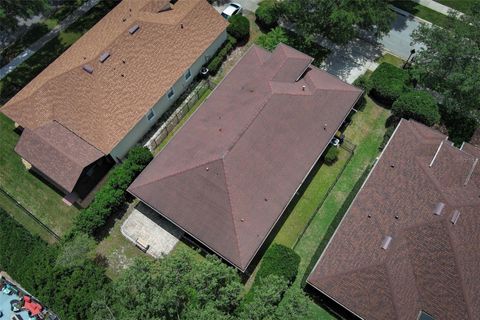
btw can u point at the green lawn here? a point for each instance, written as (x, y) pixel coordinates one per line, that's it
(313, 195)
(422, 12)
(30, 191)
(390, 58)
(460, 5)
(366, 132)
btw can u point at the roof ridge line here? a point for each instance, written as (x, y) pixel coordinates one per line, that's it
(459, 271)
(249, 124)
(54, 120)
(74, 160)
(179, 172)
(231, 210)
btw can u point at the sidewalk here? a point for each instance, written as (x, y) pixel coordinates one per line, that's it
(46, 38)
(435, 6)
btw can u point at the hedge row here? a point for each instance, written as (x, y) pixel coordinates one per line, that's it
(216, 62)
(387, 83)
(112, 195)
(68, 291)
(418, 105)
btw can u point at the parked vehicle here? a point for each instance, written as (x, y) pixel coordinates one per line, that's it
(231, 10)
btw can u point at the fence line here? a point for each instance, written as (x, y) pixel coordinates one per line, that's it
(177, 116)
(30, 214)
(350, 148)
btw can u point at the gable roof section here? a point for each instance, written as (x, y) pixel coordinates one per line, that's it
(431, 263)
(228, 174)
(57, 153)
(104, 106)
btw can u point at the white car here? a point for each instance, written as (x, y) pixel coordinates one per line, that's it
(231, 10)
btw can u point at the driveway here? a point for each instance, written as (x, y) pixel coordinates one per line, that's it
(250, 5)
(350, 61)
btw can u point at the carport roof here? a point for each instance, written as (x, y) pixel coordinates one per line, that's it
(228, 174)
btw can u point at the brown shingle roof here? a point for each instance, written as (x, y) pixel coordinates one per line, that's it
(57, 153)
(431, 263)
(102, 107)
(228, 174)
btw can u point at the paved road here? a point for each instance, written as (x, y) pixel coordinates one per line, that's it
(46, 38)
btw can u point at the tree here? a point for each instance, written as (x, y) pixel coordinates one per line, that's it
(175, 287)
(294, 305)
(338, 21)
(418, 105)
(11, 9)
(270, 40)
(450, 66)
(267, 13)
(75, 252)
(239, 27)
(267, 296)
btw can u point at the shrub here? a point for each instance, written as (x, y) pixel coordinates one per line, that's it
(267, 14)
(418, 105)
(215, 64)
(239, 27)
(362, 82)
(280, 261)
(69, 291)
(388, 83)
(270, 40)
(112, 195)
(332, 155)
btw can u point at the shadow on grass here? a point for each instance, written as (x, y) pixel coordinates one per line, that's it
(335, 223)
(322, 300)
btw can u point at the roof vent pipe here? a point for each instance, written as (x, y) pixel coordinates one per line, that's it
(134, 29)
(438, 208)
(87, 68)
(386, 242)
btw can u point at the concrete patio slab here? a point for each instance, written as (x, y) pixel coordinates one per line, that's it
(150, 231)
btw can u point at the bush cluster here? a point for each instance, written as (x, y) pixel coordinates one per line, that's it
(215, 64)
(332, 155)
(418, 105)
(280, 261)
(387, 83)
(239, 27)
(267, 14)
(112, 195)
(68, 290)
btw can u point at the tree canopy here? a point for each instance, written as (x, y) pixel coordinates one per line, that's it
(338, 21)
(450, 65)
(10, 9)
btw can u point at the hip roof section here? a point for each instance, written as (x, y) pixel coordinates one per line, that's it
(57, 153)
(424, 194)
(102, 107)
(228, 174)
